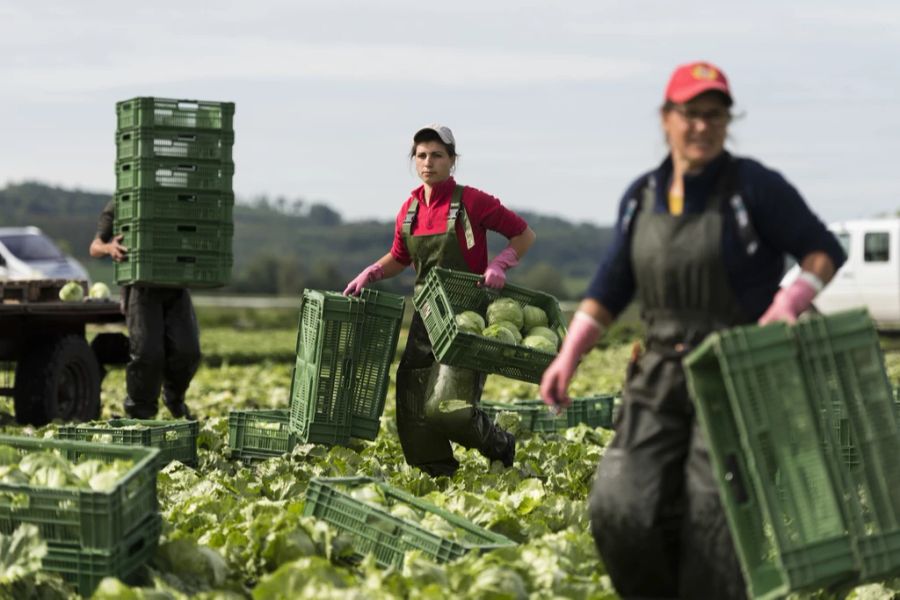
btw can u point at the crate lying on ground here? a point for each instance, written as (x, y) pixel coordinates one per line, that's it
(776, 479)
(595, 411)
(83, 518)
(87, 568)
(259, 434)
(447, 293)
(345, 347)
(844, 369)
(176, 440)
(377, 531)
(144, 112)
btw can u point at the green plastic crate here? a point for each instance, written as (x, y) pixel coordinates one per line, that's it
(177, 173)
(83, 518)
(175, 205)
(163, 143)
(323, 375)
(176, 440)
(376, 346)
(446, 293)
(175, 269)
(783, 505)
(844, 369)
(87, 568)
(376, 531)
(146, 112)
(175, 236)
(594, 411)
(259, 434)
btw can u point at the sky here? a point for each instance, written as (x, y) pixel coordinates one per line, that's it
(554, 104)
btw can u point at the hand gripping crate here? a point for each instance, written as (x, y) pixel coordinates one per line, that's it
(376, 346)
(776, 479)
(446, 293)
(844, 370)
(345, 347)
(165, 143)
(174, 173)
(323, 373)
(82, 518)
(176, 440)
(175, 269)
(594, 411)
(376, 531)
(175, 205)
(140, 235)
(259, 434)
(165, 113)
(86, 568)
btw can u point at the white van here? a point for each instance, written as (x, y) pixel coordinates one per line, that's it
(871, 275)
(26, 253)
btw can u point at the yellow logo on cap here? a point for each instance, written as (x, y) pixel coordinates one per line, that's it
(704, 72)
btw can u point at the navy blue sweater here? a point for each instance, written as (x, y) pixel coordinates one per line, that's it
(784, 224)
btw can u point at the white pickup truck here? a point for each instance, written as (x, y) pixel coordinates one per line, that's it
(871, 275)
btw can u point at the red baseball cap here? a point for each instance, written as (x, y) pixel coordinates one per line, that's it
(690, 80)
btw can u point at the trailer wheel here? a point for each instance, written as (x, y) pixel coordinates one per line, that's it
(57, 378)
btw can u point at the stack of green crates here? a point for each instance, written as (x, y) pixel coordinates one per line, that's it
(345, 346)
(804, 442)
(90, 534)
(174, 195)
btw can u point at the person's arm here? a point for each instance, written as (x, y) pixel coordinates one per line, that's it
(816, 270)
(495, 273)
(385, 267)
(113, 248)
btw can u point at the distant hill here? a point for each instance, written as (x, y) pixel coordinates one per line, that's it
(281, 247)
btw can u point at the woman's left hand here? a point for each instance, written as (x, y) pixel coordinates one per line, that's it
(495, 274)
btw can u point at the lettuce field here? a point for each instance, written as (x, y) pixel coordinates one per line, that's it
(236, 530)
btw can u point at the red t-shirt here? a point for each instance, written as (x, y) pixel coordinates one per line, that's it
(483, 210)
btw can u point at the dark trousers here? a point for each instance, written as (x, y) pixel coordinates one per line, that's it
(164, 346)
(655, 510)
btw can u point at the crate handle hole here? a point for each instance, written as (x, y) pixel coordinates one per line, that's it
(188, 105)
(188, 168)
(186, 259)
(187, 198)
(441, 307)
(187, 137)
(186, 228)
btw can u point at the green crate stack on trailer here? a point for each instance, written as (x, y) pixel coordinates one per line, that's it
(174, 196)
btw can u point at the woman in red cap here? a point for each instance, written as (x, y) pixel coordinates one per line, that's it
(700, 242)
(445, 224)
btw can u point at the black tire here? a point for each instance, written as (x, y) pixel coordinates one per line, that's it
(111, 348)
(57, 378)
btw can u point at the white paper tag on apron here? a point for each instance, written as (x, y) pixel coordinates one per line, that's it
(470, 235)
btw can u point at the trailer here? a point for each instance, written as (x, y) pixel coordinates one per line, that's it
(57, 373)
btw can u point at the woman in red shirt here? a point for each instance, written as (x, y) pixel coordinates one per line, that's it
(445, 224)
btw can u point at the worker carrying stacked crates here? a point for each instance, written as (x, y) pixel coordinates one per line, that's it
(174, 194)
(168, 228)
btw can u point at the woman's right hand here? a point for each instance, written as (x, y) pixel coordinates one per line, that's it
(373, 272)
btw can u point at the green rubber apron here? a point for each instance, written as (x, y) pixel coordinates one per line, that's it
(436, 403)
(655, 510)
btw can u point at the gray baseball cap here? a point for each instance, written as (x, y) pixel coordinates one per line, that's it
(443, 132)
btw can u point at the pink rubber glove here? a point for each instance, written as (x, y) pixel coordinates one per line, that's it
(370, 274)
(495, 274)
(789, 302)
(584, 331)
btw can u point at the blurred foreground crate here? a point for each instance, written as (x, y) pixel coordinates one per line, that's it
(803, 440)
